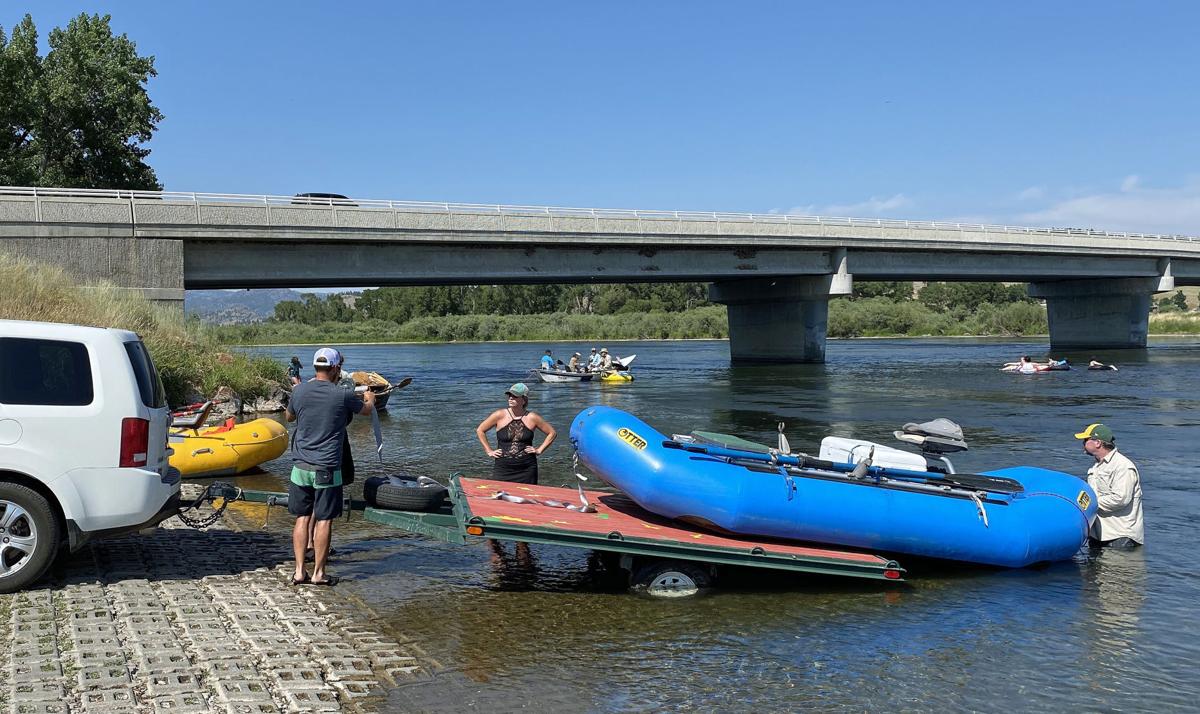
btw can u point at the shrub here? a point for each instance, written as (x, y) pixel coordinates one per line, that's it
(187, 355)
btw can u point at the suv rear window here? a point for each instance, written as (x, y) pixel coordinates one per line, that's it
(148, 382)
(50, 372)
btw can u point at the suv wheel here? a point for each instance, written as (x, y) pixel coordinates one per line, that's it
(29, 536)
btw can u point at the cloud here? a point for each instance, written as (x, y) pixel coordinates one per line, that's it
(1133, 208)
(1033, 193)
(874, 206)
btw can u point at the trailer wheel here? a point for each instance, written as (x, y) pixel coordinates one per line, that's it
(404, 493)
(29, 536)
(670, 579)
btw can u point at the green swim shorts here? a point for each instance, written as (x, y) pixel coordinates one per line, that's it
(309, 478)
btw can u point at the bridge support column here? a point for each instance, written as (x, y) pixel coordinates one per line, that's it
(151, 267)
(779, 319)
(1099, 314)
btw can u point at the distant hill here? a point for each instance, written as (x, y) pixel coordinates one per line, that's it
(235, 307)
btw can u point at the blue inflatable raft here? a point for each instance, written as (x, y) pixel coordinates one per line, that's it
(1012, 517)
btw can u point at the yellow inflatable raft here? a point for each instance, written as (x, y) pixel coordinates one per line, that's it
(617, 377)
(227, 449)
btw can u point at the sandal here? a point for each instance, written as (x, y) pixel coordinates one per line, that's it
(329, 581)
(302, 581)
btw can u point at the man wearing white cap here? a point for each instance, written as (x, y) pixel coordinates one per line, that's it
(321, 409)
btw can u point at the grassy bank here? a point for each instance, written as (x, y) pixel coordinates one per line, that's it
(1175, 323)
(701, 322)
(190, 360)
(868, 317)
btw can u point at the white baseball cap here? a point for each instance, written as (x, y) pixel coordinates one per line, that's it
(327, 357)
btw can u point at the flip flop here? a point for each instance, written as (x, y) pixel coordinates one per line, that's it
(302, 581)
(329, 581)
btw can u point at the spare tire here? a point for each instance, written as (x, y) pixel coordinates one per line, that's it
(404, 493)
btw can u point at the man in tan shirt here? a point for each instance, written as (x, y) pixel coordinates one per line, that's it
(1118, 489)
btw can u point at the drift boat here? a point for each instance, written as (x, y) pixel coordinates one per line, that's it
(562, 375)
(864, 495)
(226, 449)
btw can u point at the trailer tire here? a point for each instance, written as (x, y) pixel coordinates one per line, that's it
(404, 493)
(670, 579)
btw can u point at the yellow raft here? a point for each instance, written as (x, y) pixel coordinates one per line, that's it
(617, 377)
(227, 449)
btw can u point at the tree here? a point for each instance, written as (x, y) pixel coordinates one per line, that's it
(896, 290)
(77, 117)
(1173, 303)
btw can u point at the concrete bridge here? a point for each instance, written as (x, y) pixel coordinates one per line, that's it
(775, 273)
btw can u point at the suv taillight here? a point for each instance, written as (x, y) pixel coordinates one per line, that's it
(135, 441)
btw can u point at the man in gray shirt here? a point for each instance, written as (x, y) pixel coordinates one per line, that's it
(321, 408)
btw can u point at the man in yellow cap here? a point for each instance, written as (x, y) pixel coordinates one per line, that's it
(1118, 489)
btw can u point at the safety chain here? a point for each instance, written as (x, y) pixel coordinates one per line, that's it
(213, 517)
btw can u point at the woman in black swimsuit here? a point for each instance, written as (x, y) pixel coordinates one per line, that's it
(515, 455)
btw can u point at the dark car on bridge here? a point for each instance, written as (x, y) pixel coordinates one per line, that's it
(323, 199)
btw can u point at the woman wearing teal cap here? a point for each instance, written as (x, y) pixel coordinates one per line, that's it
(515, 456)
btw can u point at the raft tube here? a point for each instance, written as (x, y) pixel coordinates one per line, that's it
(1044, 518)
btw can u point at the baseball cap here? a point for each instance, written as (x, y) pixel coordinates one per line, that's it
(1097, 431)
(327, 357)
(518, 390)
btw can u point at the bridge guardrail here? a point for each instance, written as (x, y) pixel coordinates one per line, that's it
(199, 199)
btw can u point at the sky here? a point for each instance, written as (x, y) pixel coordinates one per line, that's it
(1066, 114)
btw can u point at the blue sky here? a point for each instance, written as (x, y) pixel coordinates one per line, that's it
(1063, 114)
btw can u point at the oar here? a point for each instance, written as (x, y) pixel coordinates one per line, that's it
(402, 383)
(994, 483)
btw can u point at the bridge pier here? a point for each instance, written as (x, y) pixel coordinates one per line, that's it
(1099, 314)
(776, 320)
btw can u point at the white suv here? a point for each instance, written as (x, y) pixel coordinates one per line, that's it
(83, 442)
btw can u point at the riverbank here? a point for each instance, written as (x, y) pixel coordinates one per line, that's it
(870, 317)
(191, 362)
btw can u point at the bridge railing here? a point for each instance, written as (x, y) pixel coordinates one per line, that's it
(334, 204)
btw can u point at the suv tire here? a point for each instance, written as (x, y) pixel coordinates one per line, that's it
(29, 536)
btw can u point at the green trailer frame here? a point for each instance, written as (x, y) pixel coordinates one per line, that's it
(457, 524)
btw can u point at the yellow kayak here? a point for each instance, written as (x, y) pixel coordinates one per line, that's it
(617, 377)
(226, 450)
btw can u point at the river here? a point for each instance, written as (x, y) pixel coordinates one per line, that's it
(553, 631)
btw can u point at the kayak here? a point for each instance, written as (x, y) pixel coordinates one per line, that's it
(621, 376)
(1009, 517)
(226, 449)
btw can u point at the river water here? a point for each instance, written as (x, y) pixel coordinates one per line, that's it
(551, 630)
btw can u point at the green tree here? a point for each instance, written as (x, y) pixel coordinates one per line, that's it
(77, 117)
(1173, 303)
(895, 290)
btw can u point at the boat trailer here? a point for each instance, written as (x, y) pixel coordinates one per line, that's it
(665, 558)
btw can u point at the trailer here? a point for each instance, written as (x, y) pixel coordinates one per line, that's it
(664, 558)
